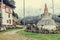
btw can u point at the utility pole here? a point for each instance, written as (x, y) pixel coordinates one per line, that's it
(24, 10)
(53, 5)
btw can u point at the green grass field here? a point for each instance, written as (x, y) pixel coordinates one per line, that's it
(40, 36)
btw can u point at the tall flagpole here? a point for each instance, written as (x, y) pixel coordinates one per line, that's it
(53, 5)
(24, 10)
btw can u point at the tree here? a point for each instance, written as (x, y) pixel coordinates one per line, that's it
(15, 14)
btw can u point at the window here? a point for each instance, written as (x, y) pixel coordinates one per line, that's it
(9, 21)
(8, 10)
(8, 15)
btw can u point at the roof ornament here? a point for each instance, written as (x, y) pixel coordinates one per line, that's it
(45, 9)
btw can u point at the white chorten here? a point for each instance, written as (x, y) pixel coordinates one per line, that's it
(46, 21)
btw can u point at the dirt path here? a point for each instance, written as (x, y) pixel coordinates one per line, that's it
(11, 32)
(12, 35)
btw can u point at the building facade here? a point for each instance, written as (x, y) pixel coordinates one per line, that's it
(6, 10)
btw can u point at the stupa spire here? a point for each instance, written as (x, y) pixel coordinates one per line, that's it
(45, 9)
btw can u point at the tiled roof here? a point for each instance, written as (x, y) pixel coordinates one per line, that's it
(8, 3)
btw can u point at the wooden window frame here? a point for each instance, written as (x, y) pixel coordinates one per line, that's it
(9, 21)
(8, 15)
(8, 10)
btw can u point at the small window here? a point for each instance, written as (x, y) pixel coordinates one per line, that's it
(58, 15)
(42, 25)
(8, 10)
(8, 15)
(9, 21)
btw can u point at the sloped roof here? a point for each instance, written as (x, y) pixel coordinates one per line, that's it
(8, 3)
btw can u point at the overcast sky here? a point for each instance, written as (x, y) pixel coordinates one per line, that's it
(36, 7)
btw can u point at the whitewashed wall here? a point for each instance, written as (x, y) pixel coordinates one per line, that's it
(5, 17)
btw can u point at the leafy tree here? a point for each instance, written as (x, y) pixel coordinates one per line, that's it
(15, 14)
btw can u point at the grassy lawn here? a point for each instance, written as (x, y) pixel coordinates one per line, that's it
(40, 36)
